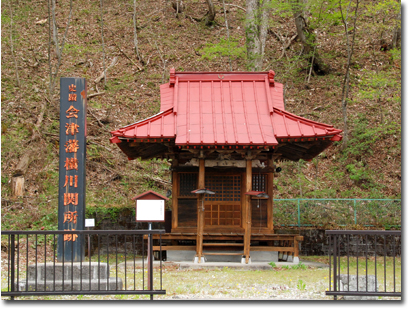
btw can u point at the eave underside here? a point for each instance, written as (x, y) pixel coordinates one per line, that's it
(288, 150)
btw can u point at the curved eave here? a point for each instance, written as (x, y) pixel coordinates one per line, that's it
(289, 126)
(161, 125)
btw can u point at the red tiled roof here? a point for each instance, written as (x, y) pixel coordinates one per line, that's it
(224, 109)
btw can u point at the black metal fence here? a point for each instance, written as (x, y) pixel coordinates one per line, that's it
(364, 264)
(114, 262)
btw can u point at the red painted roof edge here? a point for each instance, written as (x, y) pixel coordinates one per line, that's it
(237, 76)
(148, 192)
(158, 115)
(333, 130)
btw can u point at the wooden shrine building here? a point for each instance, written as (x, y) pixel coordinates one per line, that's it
(222, 133)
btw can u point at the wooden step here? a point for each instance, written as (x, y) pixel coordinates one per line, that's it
(223, 244)
(221, 253)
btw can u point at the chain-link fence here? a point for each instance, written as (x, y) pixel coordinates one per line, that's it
(332, 213)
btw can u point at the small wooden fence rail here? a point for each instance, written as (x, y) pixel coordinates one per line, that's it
(117, 265)
(364, 264)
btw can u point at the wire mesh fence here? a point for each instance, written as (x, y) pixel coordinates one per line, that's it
(379, 213)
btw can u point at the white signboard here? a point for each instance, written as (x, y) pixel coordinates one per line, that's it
(89, 222)
(150, 210)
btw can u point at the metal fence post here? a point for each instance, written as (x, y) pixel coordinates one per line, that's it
(335, 265)
(299, 214)
(13, 266)
(150, 257)
(355, 211)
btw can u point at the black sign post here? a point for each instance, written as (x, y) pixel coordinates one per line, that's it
(71, 200)
(150, 207)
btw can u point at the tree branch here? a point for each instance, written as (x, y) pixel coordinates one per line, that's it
(243, 9)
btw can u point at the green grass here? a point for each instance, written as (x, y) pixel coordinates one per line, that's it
(298, 281)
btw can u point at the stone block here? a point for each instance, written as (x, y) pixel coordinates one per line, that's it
(76, 270)
(69, 277)
(74, 285)
(358, 285)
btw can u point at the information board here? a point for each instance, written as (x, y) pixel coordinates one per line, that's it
(150, 211)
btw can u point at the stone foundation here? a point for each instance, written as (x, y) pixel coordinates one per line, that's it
(69, 277)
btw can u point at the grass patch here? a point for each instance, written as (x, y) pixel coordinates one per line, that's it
(284, 283)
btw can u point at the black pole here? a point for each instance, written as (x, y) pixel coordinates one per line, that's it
(12, 249)
(89, 245)
(150, 258)
(335, 265)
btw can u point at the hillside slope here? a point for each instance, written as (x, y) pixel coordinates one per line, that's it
(370, 167)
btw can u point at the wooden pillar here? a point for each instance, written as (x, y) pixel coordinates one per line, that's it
(270, 192)
(247, 210)
(200, 211)
(175, 191)
(297, 240)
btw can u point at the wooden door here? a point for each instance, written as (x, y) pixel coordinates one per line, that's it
(223, 209)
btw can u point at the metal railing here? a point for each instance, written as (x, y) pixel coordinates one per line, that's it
(381, 213)
(364, 264)
(110, 262)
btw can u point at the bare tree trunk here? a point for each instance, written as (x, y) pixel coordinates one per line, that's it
(257, 12)
(345, 87)
(308, 45)
(134, 32)
(178, 6)
(212, 13)
(397, 32)
(50, 89)
(299, 178)
(53, 76)
(102, 36)
(228, 33)
(11, 45)
(55, 31)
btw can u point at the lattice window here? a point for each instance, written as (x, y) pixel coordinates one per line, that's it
(226, 187)
(187, 183)
(217, 214)
(259, 182)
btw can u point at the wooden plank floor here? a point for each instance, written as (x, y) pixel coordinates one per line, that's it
(288, 243)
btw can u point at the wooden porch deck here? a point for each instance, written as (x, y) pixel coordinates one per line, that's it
(220, 242)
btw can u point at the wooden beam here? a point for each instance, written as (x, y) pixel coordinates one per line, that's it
(222, 253)
(164, 248)
(247, 206)
(222, 244)
(270, 192)
(200, 211)
(279, 249)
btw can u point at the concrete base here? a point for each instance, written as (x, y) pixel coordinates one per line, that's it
(85, 271)
(69, 276)
(196, 259)
(74, 285)
(288, 258)
(243, 260)
(362, 282)
(188, 256)
(180, 255)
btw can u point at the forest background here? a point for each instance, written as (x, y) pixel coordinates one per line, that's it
(340, 62)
